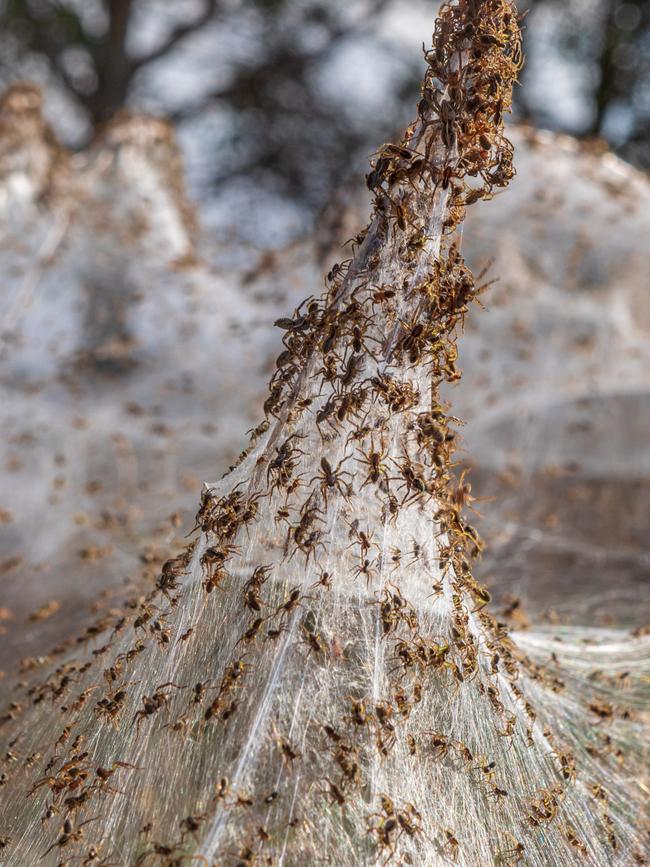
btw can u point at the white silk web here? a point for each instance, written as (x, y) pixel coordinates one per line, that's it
(317, 679)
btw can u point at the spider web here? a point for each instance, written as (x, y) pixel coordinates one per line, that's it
(317, 678)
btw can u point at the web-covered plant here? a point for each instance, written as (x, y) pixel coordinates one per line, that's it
(317, 679)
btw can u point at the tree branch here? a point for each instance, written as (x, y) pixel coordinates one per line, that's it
(177, 35)
(41, 42)
(286, 60)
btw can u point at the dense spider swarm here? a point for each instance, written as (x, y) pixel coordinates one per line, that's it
(317, 679)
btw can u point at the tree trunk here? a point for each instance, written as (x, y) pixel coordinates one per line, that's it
(114, 67)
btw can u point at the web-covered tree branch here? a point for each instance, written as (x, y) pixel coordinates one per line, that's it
(317, 677)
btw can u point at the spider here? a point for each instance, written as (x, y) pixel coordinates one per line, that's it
(69, 834)
(377, 470)
(92, 857)
(364, 568)
(153, 703)
(330, 477)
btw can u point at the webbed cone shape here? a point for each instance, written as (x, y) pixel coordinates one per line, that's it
(318, 680)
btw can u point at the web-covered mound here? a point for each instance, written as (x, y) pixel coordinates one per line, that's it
(112, 428)
(317, 678)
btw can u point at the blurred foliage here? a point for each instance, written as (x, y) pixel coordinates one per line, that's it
(277, 125)
(609, 42)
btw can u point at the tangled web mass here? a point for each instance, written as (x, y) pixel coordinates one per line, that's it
(317, 679)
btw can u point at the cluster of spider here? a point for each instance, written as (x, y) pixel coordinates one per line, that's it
(356, 448)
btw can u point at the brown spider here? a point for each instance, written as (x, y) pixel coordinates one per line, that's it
(281, 468)
(93, 857)
(364, 568)
(377, 470)
(332, 478)
(153, 703)
(69, 834)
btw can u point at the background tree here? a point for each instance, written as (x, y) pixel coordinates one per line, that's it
(262, 90)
